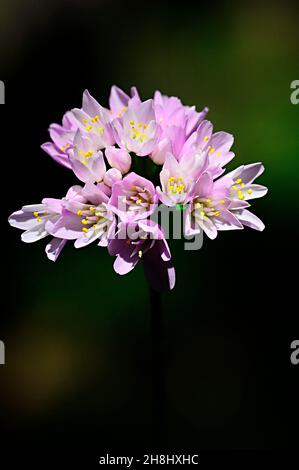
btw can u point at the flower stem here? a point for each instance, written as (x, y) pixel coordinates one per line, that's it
(157, 327)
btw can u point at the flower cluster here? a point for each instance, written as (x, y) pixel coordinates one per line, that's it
(114, 204)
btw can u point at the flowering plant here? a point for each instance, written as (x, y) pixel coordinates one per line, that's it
(117, 154)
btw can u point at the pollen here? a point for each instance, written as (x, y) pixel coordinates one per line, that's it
(235, 187)
(88, 128)
(79, 212)
(92, 209)
(222, 201)
(217, 213)
(132, 123)
(84, 221)
(35, 214)
(249, 191)
(239, 180)
(206, 138)
(84, 229)
(240, 195)
(202, 213)
(212, 150)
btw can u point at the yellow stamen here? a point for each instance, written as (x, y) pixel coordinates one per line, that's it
(84, 229)
(202, 213)
(240, 195)
(35, 214)
(249, 191)
(79, 212)
(222, 201)
(239, 180)
(84, 221)
(206, 138)
(235, 187)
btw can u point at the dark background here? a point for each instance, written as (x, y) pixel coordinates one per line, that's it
(77, 336)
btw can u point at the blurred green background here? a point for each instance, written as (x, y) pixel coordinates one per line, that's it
(77, 336)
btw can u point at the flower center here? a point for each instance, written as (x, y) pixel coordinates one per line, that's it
(205, 207)
(92, 217)
(93, 124)
(138, 199)
(40, 215)
(138, 131)
(238, 188)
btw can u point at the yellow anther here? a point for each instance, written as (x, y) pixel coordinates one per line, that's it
(242, 185)
(171, 188)
(84, 121)
(84, 229)
(139, 201)
(39, 219)
(197, 205)
(240, 195)
(88, 128)
(84, 221)
(132, 123)
(180, 178)
(46, 213)
(98, 214)
(92, 209)
(222, 201)
(202, 213)
(94, 225)
(101, 130)
(145, 126)
(35, 214)
(212, 150)
(140, 254)
(172, 178)
(124, 109)
(84, 162)
(208, 200)
(79, 212)
(209, 147)
(249, 191)
(234, 187)
(206, 138)
(239, 180)
(217, 213)
(140, 124)
(217, 154)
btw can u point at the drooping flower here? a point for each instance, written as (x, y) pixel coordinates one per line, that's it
(143, 240)
(133, 198)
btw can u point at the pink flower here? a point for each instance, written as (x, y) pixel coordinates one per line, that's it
(133, 198)
(143, 240)
(85, 217)
(93, 119)
(33, 220)
(62, 139)
(209, 208)
(119, 101)
(178, 178)
(136, 130)
(86, 160)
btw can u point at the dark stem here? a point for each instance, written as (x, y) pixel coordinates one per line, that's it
(157, 369)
